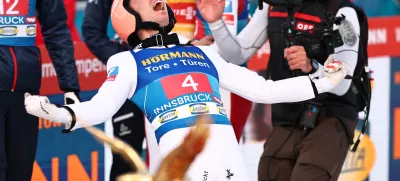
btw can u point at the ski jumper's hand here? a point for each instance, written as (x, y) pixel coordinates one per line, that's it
(335, 71)
(41, 107)
(211, 10)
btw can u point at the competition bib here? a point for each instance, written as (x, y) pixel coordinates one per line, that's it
(174, 86)
(17, 22)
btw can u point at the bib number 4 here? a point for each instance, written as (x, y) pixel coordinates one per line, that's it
(184, 84)
(8, 7)
(189, 82)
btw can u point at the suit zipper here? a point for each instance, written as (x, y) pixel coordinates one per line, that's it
(15, 69)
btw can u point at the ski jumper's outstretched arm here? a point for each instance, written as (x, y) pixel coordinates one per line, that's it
(251, 86)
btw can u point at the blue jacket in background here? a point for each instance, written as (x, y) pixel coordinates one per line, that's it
(20, 66)
(94, 30)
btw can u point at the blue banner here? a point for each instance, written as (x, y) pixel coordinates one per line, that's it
(68, 157)
(394, 160)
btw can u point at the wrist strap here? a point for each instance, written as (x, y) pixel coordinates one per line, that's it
(73, 122)
(314, 87)
(313, 69)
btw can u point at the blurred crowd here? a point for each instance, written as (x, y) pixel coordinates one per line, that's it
(372, 8)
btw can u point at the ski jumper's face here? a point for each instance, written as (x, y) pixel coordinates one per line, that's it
(151, 10)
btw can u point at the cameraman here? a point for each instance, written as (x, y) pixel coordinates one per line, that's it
(292, 153)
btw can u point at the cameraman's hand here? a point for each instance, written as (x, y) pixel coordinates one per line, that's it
(211, 10)
(297, 58)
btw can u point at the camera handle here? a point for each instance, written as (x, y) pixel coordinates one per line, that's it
(289, 34)
(329, 35)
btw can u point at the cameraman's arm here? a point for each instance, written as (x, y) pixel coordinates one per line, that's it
(348, 53)
(239, 49)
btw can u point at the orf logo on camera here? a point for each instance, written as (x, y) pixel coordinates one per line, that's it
(301, 26)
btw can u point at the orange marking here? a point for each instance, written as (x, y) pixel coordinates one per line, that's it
(396, 134)
(54, 169)
(95, 161)
(37, 174)
(76, 171)
(397, 78)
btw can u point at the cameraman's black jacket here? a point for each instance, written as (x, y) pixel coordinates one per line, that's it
(311, 13)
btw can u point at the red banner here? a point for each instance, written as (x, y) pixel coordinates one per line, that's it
(185, 13)
(91, 71)
(384, 36)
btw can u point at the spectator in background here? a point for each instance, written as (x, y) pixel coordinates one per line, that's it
(20, 72)
(236, 14)
(71, 12)
(128, 122)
